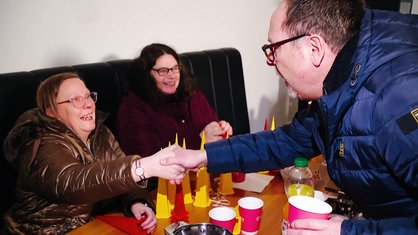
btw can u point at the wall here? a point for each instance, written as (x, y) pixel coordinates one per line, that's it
(48, 33)
(406, 7)
(415, 7)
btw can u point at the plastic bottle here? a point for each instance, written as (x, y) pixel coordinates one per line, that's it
(298, 182)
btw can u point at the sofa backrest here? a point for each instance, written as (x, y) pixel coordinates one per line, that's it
(219, 75)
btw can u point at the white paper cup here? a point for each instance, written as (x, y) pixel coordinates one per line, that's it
(320, 195)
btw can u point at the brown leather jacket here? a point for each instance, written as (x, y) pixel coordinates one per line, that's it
(62, 182)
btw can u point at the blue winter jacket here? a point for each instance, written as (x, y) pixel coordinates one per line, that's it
(365, 125)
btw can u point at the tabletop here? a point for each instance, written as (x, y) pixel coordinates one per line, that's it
(273, 196)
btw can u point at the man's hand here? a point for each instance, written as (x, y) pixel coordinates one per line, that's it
(316, 226)
(153, 167)
(191, 160)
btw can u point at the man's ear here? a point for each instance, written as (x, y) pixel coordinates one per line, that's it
(317, 45)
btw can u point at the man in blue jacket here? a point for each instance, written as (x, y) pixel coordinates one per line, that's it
(359, 69)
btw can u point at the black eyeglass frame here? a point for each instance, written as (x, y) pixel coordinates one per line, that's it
(274, 46)
(159, 71)
(92, 95)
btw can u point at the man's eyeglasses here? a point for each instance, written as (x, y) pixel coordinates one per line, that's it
(164, 71)
(269, 49)
(79, 101)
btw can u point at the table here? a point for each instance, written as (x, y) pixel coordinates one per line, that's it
(273, 196)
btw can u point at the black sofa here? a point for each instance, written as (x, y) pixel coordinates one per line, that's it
(219, 75)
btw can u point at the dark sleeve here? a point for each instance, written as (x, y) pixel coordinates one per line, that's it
(403, 225)
(136, 131)
(203, 113)
(265, 150)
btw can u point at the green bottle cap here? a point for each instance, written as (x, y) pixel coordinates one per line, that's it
(301, 162)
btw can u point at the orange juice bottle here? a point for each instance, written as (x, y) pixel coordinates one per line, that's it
(299, 182)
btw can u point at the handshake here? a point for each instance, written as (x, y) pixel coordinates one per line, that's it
(172, 163)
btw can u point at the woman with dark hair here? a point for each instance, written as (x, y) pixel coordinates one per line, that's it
(162, 101)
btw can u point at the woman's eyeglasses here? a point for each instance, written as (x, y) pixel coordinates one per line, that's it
(79, 101)
(164, 71)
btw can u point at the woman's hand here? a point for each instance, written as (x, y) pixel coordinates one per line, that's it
(191, 160)
(153, 168)
(215, 131)
(140, 211)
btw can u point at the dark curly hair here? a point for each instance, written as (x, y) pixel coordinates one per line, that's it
(143, 84)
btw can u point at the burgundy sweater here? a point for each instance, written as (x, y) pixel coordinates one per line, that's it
(144, 131)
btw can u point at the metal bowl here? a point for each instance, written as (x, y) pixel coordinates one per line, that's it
(202, 229)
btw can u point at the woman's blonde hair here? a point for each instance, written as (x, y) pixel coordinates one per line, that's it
(47, 92)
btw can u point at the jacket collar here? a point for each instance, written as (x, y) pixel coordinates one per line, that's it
(341, 69)
(28, 128)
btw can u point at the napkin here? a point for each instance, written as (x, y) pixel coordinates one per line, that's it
(254, 182)
(126, 224)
